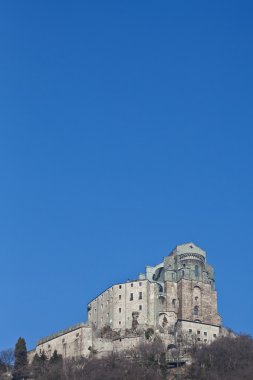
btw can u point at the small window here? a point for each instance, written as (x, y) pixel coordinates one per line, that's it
(120, 286)
(102, 306)
(140, 307)
(120, 297)
(77, 334)
(120, 310)
(140, 295)
(196, 270)
(63, 340)
(198, 339)
(198, 332)
(174, 302)
(131, 296)
(48, 346)
(190, 331)
(119, 322)
(205, 340)
(214, 335)
(196, 310)
(205, 333)
(140, 283)
(132, 285)
(183, 273)
(196, 298)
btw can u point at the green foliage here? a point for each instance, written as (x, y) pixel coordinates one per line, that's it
(21, 365)
(56, 359)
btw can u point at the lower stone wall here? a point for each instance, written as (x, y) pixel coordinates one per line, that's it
(73, 342)
(202, 332)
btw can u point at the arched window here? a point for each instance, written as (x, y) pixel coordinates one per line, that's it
(196, 310)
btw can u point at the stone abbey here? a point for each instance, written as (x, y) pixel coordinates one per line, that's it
(176, 296)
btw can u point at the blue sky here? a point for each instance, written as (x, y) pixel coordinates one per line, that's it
(125, 129)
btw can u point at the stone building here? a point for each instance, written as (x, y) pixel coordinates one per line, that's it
(176, 296)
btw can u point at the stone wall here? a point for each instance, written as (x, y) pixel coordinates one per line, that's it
(72, 342)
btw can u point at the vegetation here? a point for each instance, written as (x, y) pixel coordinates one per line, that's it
(20, 370)
(224, 359)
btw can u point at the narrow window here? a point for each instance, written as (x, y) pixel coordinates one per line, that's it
(183, 273)
(132, 285)
(119, 322)
(205, 333)
(140, 307)
(120, 310)
(120, 297)
(140, 283)
(196, 270)
(205, 340)
(199, 339)
(140, 295)
(174, 302)
(190, 331)
(196, 310)
(120, 286)
(198, 332)
(214, 335)
(131, 296)
(77, 334)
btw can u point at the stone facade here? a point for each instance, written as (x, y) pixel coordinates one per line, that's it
(177, 295)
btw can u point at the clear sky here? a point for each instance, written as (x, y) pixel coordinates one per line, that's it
(126, 128)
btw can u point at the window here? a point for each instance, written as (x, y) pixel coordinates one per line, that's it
(132, 285)
(120, 297)
(48, 346)
(174, 302)
(196, 298)
(119, 322)
(140, 307)
(196, 310)
(102, 306)
(183, 273)
(131, 296)
(120, 310)
(140, 295)
(214, 335)
(120, 286)
(205, 340)
(199, 339)
(205, 333)
(190, 331)
(140, 283)
(77, 334)
(198, 332)
(196, 270)
(63, 340)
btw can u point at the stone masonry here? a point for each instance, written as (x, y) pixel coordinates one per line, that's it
(177, 295)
